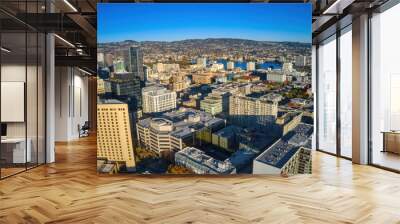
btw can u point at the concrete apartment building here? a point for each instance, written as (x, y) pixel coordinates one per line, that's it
(158, 99)
(212, 104)
(276, 76)
(287, 121)
(253, 109)
(287, 155)
(301, 61)
(282, 160)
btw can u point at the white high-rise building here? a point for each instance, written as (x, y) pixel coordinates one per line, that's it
(230, 65)
(301, 60)
(158, 99)
(251, 66)
(287, 67)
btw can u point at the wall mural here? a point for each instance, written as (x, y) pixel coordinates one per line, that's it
(201, 88)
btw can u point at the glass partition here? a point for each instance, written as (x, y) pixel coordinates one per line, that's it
(14, 153)
(22, 88)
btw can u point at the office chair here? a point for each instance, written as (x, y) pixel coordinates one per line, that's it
(84, 130)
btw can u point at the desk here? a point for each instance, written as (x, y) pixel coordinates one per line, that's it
(391, 141)
(13, 150)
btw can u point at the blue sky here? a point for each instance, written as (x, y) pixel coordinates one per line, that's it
(169, 22)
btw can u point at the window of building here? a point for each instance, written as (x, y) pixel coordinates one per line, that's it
(385, 89)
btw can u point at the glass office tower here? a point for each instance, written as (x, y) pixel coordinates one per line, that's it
(136, 62)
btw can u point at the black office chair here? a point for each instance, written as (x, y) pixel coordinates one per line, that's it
(84, 130)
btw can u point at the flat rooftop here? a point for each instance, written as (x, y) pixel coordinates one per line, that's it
(278, 154)
(109, 101)
(203, 159)
(282, 150)
(229, 131)
(185, 121)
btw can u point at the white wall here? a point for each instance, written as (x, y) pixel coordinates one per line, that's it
(262, 168)
(71, 102)
(33, 126)
(14, 73)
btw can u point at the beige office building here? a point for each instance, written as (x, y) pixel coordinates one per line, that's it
(114, 139)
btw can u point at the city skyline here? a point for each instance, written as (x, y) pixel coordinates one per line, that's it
(158, 22)
(234, 97)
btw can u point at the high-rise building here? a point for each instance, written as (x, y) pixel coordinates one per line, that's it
(136, 62)
(125, 84)
(108, 59)
(287, 67)
(173, 131)
(147, 72)
(289, 155)
(212, 104)
(103, 86)
(230, 65)
(100, 59)
(119, 65)
(301, 61)
(158, 99)
(254, 110)
(287, 121)
(227, 138)
(179, 82)
(275, 76)
(202, 62)
(250, 66)
(114, 140)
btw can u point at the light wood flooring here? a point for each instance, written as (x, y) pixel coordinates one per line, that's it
(387, 159)
(70, 191)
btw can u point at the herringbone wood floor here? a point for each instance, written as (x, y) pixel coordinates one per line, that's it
(70, 191)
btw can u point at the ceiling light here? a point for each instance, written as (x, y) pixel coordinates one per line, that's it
(65, 41)
(70, 5)
(5, 50)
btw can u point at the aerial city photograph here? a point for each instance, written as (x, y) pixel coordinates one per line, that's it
(204, 89)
